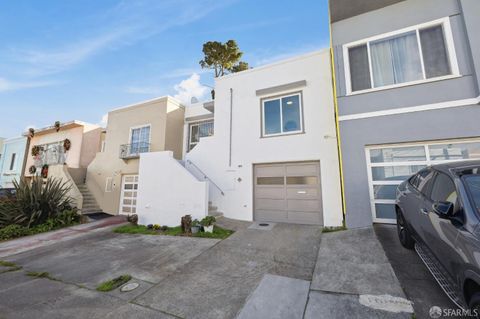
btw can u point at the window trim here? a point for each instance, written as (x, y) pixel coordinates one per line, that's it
(140, 127)
(280, 97)
(197, 123)
(428, 163)
(449, 46)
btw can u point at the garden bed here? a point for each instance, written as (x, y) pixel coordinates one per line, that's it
(218, 232)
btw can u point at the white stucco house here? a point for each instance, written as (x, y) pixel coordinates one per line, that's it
(265, 149)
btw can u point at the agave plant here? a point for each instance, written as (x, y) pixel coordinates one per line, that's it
(36, 202)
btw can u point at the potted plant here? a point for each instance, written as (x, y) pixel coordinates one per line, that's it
(195, 226)
(207, 223)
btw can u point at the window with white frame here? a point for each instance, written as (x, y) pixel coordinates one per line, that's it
(282, 115)
(421, 53)
(139, 140)
(199, 130)
(389, 165)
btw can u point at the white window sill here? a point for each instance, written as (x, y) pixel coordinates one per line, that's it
(283, 134)
(399, 85)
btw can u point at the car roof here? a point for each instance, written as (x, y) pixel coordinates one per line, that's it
(459, 168)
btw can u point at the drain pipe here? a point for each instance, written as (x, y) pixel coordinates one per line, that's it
(231, 118)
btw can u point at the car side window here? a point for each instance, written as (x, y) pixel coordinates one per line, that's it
(422, 181)
(443, 189)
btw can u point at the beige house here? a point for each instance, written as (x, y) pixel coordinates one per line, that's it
(65, 152)
(150, 126)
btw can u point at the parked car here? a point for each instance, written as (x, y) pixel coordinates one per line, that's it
(438, 213)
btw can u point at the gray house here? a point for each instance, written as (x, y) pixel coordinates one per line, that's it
(407, 81)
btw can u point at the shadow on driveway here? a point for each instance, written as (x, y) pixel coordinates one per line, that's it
(415, 279)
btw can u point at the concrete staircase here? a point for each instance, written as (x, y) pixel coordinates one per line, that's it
(90, 205)
(213, 211)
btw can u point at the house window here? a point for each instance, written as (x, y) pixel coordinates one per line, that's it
(12, 161)
(282, 115)
(140, 140)
(199, 130)
(419, 53)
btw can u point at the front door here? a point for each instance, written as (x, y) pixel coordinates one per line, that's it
(128, 196)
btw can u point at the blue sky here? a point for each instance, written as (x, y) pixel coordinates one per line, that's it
(65, 59)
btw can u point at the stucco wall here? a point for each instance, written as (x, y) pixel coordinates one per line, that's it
(248, 148)
(108, 164)
(91, 144)
(167, 194)
(409, 127)
(386, 20)
(17, 146)
(470, 12)
(61, 172)
(75, 135)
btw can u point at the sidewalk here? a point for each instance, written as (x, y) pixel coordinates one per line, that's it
(27, 243)
(352, 279)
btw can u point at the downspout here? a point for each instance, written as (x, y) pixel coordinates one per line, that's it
(337, 123)
(231, 118)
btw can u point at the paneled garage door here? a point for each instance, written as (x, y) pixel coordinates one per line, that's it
(288, 192)
(389, 165)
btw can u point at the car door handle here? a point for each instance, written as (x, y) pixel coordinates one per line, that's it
(424, 211)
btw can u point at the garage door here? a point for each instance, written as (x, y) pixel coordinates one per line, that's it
(288, 192)
(390, 165)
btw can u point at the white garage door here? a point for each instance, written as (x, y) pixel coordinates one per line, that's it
(288, 192)
(128, 198)
(390, 165)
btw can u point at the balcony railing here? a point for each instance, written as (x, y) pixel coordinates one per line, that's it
(133, 150)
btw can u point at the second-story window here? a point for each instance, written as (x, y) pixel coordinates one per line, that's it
(12, 161)
(282, 115)
(414, 54)
(199, 130)
(140, 140)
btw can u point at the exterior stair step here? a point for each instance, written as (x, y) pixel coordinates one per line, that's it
(90, 205)
(215, 214)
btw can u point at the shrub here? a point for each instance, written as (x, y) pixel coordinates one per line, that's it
(35, 202)
(68, 217)
(156, 227)
(13, 231)
(208, 221)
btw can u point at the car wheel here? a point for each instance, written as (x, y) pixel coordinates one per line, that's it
(474, 304)
(404, 234)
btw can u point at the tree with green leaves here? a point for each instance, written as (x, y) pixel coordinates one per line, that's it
(223, 57)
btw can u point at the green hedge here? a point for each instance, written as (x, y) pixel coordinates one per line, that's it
(64, 219)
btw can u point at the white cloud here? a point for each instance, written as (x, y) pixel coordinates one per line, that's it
(122, 25)
(189, 88)
(7, 85)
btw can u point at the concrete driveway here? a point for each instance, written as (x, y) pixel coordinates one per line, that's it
(416, 280)
(178, 277)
